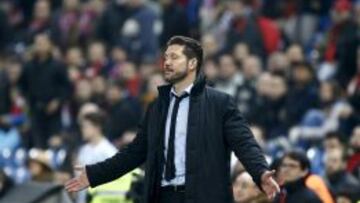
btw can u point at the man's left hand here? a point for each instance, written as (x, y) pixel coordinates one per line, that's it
(269, 185)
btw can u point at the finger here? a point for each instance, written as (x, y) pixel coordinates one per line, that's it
(74, 188)
(71, 188)
(275, 185)
(71, 184)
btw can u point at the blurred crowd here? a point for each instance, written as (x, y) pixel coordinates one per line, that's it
(77, 75)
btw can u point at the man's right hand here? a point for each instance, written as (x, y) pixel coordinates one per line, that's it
(78, 183)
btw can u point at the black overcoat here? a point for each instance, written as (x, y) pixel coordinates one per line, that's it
(215, 128)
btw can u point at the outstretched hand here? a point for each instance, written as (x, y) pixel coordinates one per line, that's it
(78, 183)
(269, 185)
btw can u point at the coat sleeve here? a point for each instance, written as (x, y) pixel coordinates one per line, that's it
(241, 140)
(123, 161)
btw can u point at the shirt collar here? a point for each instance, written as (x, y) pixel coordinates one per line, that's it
(187, 90)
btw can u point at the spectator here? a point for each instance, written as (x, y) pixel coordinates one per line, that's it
(245, 94)
(353, 90)
(41, 20)
(118, 58)
(124, 111)
(303, 95)
(342, 42)
(211, 71)
(83, 94)
(75, 64)
(97, 147)
(99, 86)
(295, 54)
(272, 92)
(46, 86)
(240, 53)
(73, 24)
(353, 165)
(174, 21)
(210, 44)
(330, 115)
(129, 74)
(244, 28)
(39, 166)
(245, 190)
(294, 169)
(111, 22)
(98, 64)
(230, 77)
(251, 68)
(278, 64)
(13, 121)
(338, 177)
(139, 35)
(151, 92)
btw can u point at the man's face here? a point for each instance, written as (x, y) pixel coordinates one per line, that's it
(42, 44)
(227, 67)
(113, 94)
(333, 161)
(244, 188)
(332, 143)
(96, 52)
(42, 10)
(355, 138)
(290, 170)
(88, 130)
(175, 64)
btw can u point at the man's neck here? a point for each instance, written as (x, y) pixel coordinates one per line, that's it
(182, 85)
(96, 140)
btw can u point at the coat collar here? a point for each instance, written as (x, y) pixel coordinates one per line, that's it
(198, 87)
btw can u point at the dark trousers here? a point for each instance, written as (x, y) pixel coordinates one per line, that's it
(168, 196)
(44, 127)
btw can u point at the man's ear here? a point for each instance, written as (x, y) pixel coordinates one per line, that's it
(193, 63)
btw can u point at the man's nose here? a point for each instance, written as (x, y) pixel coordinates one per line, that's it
(167, 62)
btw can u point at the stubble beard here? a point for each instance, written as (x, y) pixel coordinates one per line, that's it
(177, 77)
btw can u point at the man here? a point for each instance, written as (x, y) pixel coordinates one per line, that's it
(46, 86)
(124, 111)
(189, 163)
(353, 163)
(245, 190)
(294, 169)
(338, 177)
(98, 148)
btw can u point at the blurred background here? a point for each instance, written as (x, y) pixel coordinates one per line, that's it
(77, 75)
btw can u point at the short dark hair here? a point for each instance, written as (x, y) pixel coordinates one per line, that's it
(335, 135)
(300, 157)
(192, 49)
(96, 118)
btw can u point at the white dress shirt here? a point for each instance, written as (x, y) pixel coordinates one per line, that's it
(180, 137)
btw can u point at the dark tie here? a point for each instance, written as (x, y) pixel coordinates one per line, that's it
(170, 158)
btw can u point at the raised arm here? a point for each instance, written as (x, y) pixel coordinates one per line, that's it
(242, 142)
(121, 163)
